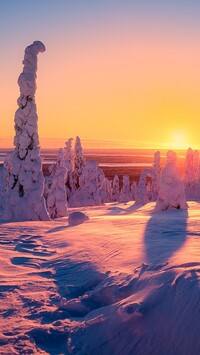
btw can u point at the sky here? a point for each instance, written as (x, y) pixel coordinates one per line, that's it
(116, 73)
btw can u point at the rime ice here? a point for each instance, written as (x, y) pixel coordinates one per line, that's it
(25, 182)
(172, 192)
(56, 196)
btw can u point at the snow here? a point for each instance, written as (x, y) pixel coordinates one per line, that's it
(125, 193)
(77, 217)
(141, 192)
(91, 183)
(24, 178)
(115, 189)
(121, 283)
(172, 191)
(56, 193)
(156, 172)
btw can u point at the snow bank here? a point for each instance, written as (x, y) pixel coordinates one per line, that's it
(76, 218)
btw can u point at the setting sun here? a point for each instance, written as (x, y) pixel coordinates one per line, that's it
(179, 140)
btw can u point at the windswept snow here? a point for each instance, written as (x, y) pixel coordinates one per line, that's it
(120, 283)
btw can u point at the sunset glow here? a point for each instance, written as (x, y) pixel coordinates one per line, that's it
(116, 72)
(179, 140)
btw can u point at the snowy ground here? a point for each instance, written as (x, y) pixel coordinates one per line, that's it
(124, 282)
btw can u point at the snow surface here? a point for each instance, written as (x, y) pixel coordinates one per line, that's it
(77, 217)
(121, 283)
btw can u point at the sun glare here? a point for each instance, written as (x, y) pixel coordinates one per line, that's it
(179, 140)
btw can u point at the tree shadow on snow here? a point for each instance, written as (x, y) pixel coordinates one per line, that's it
(165, 233)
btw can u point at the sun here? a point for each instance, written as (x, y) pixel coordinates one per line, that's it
(179, 140)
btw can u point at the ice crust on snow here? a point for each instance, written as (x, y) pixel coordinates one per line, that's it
(24, 181)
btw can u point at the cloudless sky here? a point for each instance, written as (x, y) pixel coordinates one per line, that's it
(123, 73)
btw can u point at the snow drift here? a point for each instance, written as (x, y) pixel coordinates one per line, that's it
(123, 283)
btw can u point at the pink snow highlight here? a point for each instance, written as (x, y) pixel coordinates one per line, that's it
(123, 283)
(24, 178)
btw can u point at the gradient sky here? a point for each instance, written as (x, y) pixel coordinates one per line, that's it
(125, 72)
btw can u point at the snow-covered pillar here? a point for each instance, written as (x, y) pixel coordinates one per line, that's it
(24, 197)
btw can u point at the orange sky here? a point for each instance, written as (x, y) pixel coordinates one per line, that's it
(128, 82)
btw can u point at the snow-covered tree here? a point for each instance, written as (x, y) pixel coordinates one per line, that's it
(68, 156)
(115, 189)
(156, 171)
(91, 181)
(189, 174)
(172, 192)
(56, 196)
(142, 196)
(196, 176)
(133, 190)
(106, 190)
(25, 181)
(196, 166)
(125, 193)
(79, 161)
(2, 188)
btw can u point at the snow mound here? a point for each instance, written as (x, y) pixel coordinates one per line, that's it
(76, 218)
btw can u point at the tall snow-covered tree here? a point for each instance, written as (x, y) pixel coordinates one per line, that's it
(172, 192)
(115, 189)
(25, 181)
(125, 193)
(156, 171)
(68, 156)
(56, 196)
(79, 161)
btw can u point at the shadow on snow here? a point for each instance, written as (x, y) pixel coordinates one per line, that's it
(165, 234)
